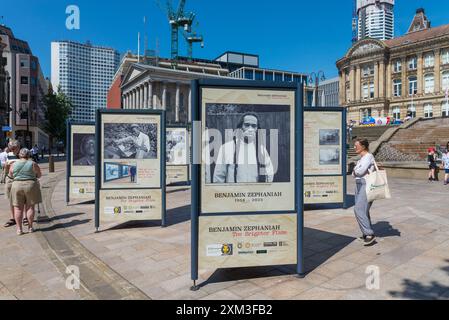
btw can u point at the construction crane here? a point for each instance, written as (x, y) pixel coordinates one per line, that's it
(355, 21)
(179, 19)
(192, 38)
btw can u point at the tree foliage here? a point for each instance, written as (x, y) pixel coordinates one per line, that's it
(57, 110)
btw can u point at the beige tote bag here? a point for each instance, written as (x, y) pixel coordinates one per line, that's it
(377, 185)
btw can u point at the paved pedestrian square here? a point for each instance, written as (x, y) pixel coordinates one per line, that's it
(141, 260)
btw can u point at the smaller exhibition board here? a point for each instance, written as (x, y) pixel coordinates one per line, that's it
(178, 155)
(247, 175)
(325, 156)
(80, 177)
(130, 167)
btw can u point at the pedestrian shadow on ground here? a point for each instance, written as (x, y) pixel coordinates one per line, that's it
(384, 229)
(46, 219)
(423, 291)
(60, 225)
(319, 247)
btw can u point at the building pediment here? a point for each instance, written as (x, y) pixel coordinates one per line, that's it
(366, 47)
(133, 72)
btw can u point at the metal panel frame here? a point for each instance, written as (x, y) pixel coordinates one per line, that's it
(69, 125)
(188, 160)
(196, 87)
(99, 147)
(344, 169)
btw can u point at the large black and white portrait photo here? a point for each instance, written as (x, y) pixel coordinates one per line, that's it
(130, 141)
(176, 150)
(83, 149)
(247, 143)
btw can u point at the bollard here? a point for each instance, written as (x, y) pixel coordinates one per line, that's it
(51, 164)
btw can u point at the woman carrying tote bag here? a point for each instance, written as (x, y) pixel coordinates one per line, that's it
(362, 207)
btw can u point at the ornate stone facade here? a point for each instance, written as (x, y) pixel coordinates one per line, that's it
(394, 77)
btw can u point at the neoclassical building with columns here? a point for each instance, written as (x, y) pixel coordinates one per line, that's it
(146, 86)
(407, 74)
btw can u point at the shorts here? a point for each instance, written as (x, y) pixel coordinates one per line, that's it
(25, 193)
(8, 186)
(446, 171)
(432, 166)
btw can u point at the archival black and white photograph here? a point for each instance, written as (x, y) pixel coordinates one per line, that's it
(130, 141)
(83, 149)
(329, 137)
(329, 155)
(176, 150)
(248, 143)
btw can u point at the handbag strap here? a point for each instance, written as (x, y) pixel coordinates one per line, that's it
(375, 165)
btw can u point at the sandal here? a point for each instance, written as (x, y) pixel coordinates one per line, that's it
(30, 230)
(10, 223)
(20, 232)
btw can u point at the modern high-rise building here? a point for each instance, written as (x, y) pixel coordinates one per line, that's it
(375, 19)
(24, 113)
(84, 73)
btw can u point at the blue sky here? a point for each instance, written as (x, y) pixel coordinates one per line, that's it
(292, 35)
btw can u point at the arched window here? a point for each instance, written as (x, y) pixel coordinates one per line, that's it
(413, 85)
(445, 56)
(412, 110)
(445, 109)
(445, 81)
(412, 63)
(365, 90)
(428, 110)
(396, 112)
(371, 90)
(429, 60)
(397, 87)
(397, 66)
(429, 82)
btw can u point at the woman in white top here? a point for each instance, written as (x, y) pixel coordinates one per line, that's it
(362, 207)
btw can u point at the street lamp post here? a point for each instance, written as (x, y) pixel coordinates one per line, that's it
(317, 76)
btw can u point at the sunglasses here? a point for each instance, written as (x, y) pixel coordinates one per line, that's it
(247, 125)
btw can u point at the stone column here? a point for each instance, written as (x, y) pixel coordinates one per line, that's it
(376, 80)
(142, 96)
(404, 78)
(164, 96)
(437, 77)
(358, 80)
(178, 93)
(145, 95)
(389, 82)
(382, 79)
(420, 74)
(155, 93)
(341, 83)
(150, 95)
(352, 77)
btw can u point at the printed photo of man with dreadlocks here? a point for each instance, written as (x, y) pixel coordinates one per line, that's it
(255, 145)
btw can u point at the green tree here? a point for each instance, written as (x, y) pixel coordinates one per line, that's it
(57, 110)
